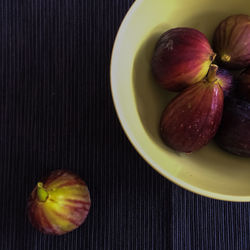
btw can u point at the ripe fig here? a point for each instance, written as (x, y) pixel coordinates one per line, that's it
(181, 58)
(192, 118)
(232, 42)
(243, 86)
(225, 79)
(234, 133)
(60, 204)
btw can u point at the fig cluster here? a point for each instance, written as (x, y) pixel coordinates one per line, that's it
(213, 81)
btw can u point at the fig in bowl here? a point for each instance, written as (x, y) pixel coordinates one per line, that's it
(234, 131)
(192, 118)
(232, 41)
(59, 204)
(181, 58)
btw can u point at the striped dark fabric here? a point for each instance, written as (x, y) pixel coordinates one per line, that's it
(56, 111)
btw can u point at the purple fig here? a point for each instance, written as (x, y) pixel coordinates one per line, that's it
(181, 58)
(232, 42)
(225, 79)
(234, 132)
(243, 86)
(192, 118)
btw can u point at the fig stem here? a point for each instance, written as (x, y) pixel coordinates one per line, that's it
(42, 193)
(211, 76)
(213, 57)
(225, 58)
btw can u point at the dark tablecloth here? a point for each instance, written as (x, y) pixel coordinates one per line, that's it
(56, 111)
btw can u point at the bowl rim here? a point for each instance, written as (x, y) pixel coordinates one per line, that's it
(199, 191)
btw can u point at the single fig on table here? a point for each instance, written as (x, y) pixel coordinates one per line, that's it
(181, 58)
(192, 118)
(243, 86)
(60, 204)
(232, 42)
(234, 132)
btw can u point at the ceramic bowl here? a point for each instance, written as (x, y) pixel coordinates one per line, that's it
(139, 101)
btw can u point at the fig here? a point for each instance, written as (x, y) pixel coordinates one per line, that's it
(60, 204)
(234, 134)
(182, 57)
(225, 79)
(231, 42)
(192, 118)
(243, 86)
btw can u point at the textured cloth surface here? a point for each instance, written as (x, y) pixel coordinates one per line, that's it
(56, 111)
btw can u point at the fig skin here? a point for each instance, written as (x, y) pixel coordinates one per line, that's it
(226, 81)
(234, 133)
(59, 204)
(231, 42)
(192, 118)
(243, 86)
(182, 57)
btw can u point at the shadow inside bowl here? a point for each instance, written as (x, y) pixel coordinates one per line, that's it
(205, 22)
(151, 99)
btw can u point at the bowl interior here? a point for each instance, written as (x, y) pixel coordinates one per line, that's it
(139, 101)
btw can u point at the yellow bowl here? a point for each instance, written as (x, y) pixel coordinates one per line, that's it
(139, 101)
